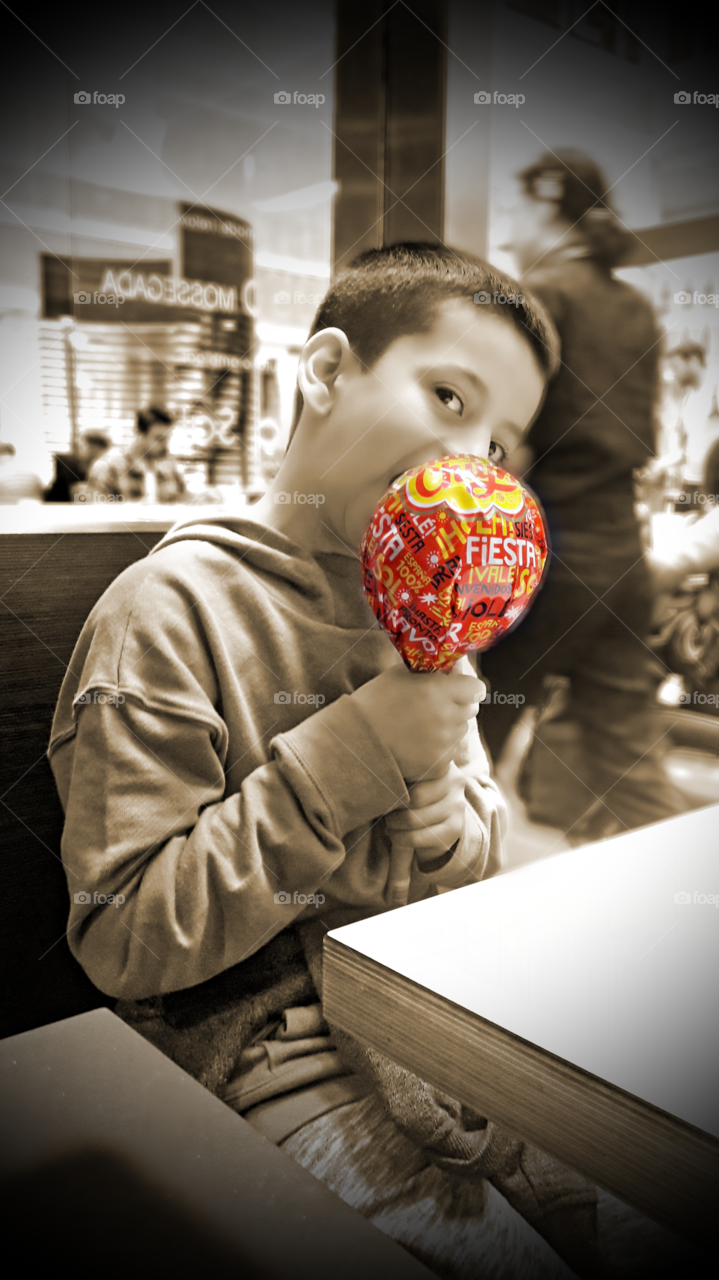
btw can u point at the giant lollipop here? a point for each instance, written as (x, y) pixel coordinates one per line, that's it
(451, 558)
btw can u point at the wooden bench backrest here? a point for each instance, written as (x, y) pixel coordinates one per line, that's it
(49, 582)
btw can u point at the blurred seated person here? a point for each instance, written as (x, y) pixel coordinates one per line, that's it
(144, 472)
(17, 484)
(72, 469)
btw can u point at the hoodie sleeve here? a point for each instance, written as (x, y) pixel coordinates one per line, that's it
(170, 883)
(194, 808)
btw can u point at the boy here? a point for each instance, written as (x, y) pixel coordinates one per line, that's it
(234, 747)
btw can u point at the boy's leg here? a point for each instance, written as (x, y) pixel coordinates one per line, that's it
(460, 1229)
(463, 1229)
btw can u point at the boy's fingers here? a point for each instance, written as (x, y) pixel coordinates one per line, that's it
(440, 837)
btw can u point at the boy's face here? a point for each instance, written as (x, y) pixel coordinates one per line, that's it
(470, 385)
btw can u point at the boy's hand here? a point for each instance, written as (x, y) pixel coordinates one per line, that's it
(421, 716)
(436, 819)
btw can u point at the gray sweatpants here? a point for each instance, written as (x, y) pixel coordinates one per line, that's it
(462, 1229)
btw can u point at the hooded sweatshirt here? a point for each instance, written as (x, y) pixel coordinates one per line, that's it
(219, 782)
(218, 779)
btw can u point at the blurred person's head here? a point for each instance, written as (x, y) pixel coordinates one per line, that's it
(154, 427)
(411, 357)
(563, 200)
(687, 365)
(94, 444)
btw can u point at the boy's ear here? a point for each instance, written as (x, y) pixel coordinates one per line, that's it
(324, 357)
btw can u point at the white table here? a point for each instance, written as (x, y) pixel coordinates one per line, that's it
(574, 1000)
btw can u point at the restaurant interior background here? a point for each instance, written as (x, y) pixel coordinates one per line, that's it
(247, 154)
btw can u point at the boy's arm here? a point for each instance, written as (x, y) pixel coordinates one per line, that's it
(143, 786)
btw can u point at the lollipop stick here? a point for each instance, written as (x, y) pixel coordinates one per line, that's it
(400, 874)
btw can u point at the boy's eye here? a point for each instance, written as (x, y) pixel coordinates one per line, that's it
(450, 400)
(497, 452)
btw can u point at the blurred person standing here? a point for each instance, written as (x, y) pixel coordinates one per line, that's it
(595, 429)
(144, 472)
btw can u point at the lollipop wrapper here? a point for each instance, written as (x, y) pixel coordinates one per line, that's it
(450, 561)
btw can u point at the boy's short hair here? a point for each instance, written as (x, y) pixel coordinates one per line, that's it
(386, 294)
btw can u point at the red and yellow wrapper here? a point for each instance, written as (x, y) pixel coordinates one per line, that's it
(451, 559)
